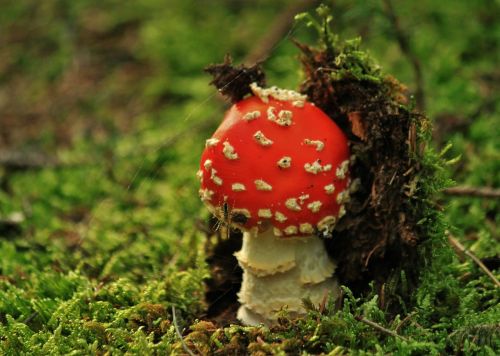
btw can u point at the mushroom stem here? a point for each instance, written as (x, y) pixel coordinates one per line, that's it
(278, 272)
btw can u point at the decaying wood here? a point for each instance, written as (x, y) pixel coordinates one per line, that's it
(234, 81)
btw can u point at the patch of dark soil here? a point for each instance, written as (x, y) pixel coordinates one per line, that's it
(225, 281)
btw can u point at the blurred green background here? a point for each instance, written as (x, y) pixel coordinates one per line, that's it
(104, 109)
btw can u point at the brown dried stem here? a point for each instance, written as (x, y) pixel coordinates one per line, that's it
(379, 327)
(179, 334)
(479, 192)
(404, 321)
(461, 250)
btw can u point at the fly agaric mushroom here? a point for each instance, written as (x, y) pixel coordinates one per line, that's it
(277, 168)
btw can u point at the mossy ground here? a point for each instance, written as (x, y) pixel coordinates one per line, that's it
(111, 242)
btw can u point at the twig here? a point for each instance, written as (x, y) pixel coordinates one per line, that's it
(404, 321)
(278, 30)
(18, 160)
(462, 250)
(480, 192)
(404, 45)
(178, 332)
(379, 327)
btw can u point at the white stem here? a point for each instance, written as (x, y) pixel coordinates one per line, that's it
(278, 272)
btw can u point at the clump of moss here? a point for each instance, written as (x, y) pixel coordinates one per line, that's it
(336, 328)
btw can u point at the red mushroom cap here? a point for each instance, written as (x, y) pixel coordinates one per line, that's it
(280, 163)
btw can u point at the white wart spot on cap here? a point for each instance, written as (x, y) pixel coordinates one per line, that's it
(298, 103)
(284, 162)
(238, 187)
(265, 213)
(313, 168)
(319, 144)
(277, 232)
(327, 223)
(292, 204)
(206, 194)
(262, 139)
(303, 197)
(228, 151)
(217, 180)
(262, 185)
(280, 217)
(314, 206)
(284, 118)
(211, 142)
(213, 176)
(342, 169)
(330, 188)
(342, 211)
(207, 164)
(271, 115)
(199, 175)
(290, 230)
(252, 115)
(316, 167)
(342, 197)
(276, 93)
(306, 228)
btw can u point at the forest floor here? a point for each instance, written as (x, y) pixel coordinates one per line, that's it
(104, 111)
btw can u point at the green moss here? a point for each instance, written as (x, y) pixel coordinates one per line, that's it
(105, 251)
